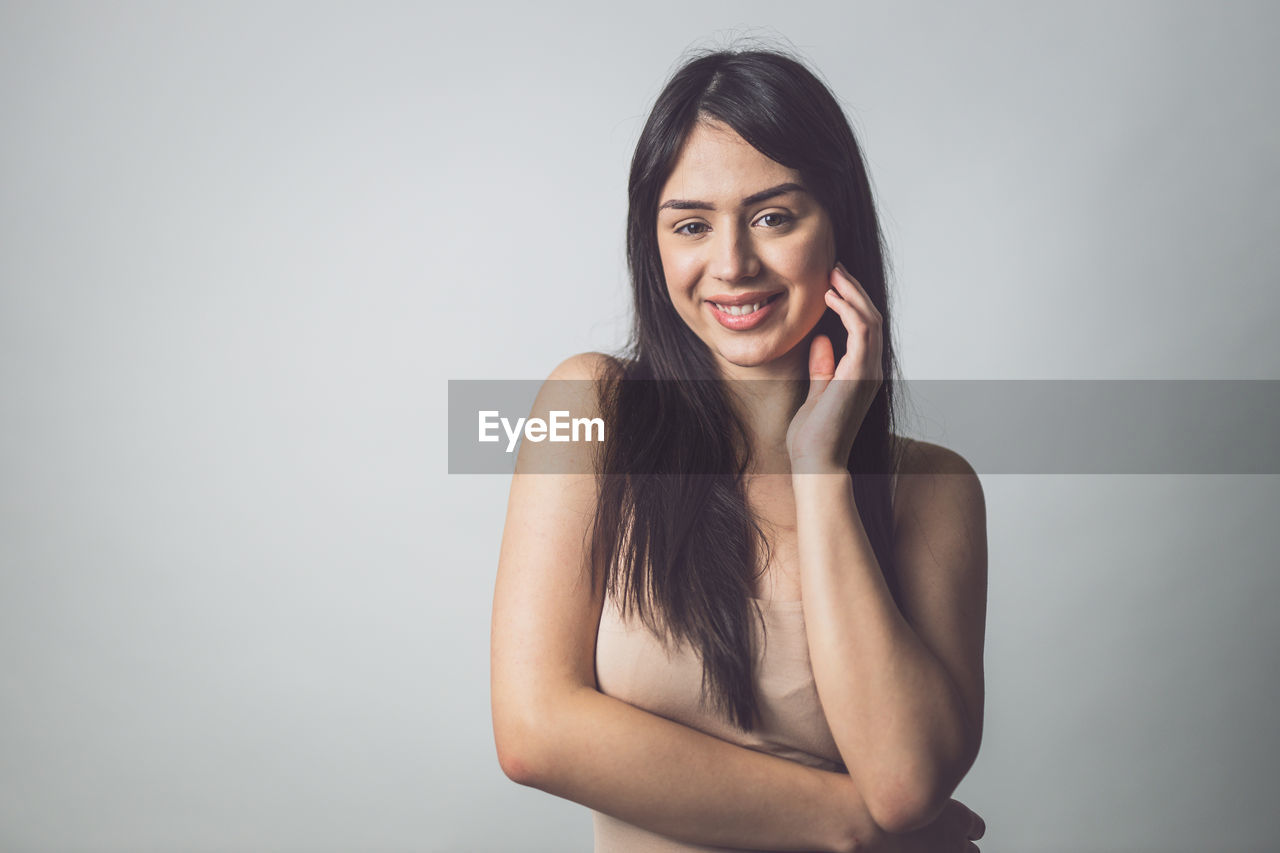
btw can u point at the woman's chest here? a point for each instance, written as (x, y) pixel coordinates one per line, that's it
(777, 571)
(635, 666)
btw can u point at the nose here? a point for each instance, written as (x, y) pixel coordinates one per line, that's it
(734, 256)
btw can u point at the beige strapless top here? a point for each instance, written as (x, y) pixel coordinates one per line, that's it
(632, 665)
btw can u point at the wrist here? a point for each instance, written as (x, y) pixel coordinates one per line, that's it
(821, 465)
(823, 482)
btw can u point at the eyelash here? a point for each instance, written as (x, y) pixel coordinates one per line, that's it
(786, 219)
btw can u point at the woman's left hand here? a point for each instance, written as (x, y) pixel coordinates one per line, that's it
(821, 434)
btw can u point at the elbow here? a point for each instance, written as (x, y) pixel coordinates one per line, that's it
(902, 811)
(908, 801)
(526, 737)
(519, 755)
(911, 790)
(514, 759)
(518, 769)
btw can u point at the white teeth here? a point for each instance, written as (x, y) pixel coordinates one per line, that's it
(740, 310)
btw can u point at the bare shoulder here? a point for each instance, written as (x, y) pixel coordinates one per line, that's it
(570, 400)
(938, 495)
(579, 380)
(924, 457)
(594, 366)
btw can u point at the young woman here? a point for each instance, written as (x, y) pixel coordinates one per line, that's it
(755, 619)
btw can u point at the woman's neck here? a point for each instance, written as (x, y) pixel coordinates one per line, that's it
(765, 399)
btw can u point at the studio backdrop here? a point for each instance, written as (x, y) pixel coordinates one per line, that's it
(245, 248)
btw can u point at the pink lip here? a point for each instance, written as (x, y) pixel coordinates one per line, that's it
(743, 298)
(745, 321)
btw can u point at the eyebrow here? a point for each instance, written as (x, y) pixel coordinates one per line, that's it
(780, 189)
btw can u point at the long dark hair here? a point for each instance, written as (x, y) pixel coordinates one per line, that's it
(673, 535)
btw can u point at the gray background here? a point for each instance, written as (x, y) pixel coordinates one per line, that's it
(243, 606)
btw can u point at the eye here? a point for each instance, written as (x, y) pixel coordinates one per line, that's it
(778, 220)
(681, 229)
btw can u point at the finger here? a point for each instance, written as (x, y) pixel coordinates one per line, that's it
(849, 315)
(970, 847)
(864, 341)
(960, 818)
(822, 365)
(853, 291)
(967, 821)
(847, 288)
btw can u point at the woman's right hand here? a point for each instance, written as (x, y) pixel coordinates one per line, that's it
(954, 830)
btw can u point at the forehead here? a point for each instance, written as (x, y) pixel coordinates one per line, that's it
(716, 164)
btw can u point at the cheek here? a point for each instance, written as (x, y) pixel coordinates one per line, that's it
(681, 274)
(678, 269)
(807, 264)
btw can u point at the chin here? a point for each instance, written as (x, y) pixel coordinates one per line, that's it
(751, 359)
(745, 362)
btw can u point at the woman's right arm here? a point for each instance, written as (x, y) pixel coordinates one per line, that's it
(555, 731)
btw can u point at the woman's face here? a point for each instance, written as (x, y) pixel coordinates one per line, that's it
(747, 253)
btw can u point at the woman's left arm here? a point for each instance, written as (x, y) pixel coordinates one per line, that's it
(901, 687)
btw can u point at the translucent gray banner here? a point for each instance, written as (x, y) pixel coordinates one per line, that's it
(1180, 426)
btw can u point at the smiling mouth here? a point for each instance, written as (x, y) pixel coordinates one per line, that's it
(744, 310)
